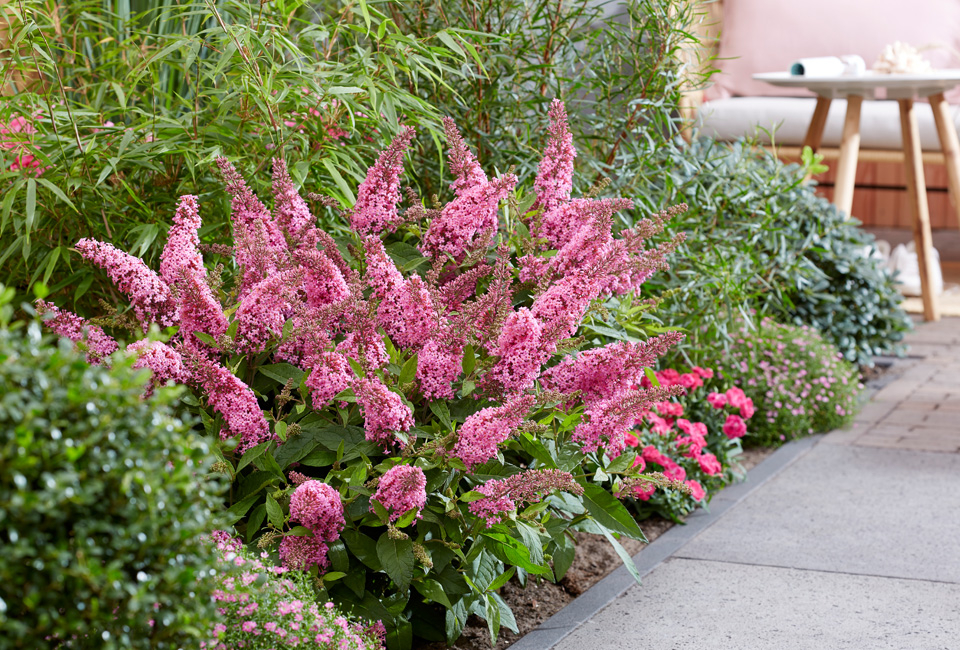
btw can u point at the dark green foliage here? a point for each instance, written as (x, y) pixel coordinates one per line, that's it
(760, 242)
(104, 504)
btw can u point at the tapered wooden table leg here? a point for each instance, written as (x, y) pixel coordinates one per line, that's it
(817, 124)
(917, 193)
(950, 146)
(849, 150)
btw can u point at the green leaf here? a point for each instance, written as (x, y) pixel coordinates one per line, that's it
(337, 552)
(607, 511)
(442, 412)
(363, 547)
(622, 552)
(409, 371)
(299, 531)
(240, 508)
(563, 557)
(492, 616)
(274, 512)
(206, 338)
(531, 539)
(267, 463)
(282, 373)
(503, 579)
(652, 376)
(255, 521)
(472, 495)
(469, 360)
(511, 551)
(622, 462)
(431, 590)
(31, 207)
(252, 454)
(396, 556)
(407, 518)
(333, 575)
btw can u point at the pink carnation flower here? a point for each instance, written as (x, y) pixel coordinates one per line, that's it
(709, 464)
(735, 397)
(734, 427)
(698, 493)
(402, 488)
(717, 400)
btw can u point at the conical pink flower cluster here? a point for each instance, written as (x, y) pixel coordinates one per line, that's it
(314, 505)
(94, 341)
(402, 488)
(483, 432)
(379, 193)
(502, 496)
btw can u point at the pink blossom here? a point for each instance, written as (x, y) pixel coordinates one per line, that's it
(379, 193)
(22, 160)
(704, 373)
(439, 363)
(382, 274)
(457, 228)
(501, 496)
(402, 488)
(690, 381)
(606, 422)
(734, 427)
(149, 295)
(484, 431)
(520, 348)
(290, 210)
(364, 344)
(330, 376)
(233, 399)
(407, 314)
(735, 397)
(554, 180)
(323, 282)
(317, 506)
(303, 552)
(747, 409)
(383, 411)
(165, 362)
(697, 491)
(717, 400)
(181, 253)
(463, 163)
(709, 464)
(90, 338)
(264, 310)
(199, 310)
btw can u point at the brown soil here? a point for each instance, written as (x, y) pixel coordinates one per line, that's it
(540, 600)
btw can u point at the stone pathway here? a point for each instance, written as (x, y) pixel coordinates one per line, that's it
(856, 544)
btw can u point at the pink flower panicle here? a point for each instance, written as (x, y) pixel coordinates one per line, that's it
(330, 376)
(603, 372)
(484, 431)
(502, 496)
(234, 400)
(439, 363)
(522, 353)
(291, 211)
(607, 422)
(402, 488)
(149, 295)
(246, 208)
(90, 338)
(555, 176)
(323, 282)
(383, 411)
(382, 274)
(458, 228)
(379, 193)
(317, 506)
(264, 310)
(463, 163)
(199, 310)
(301, 552)
(165, 362)
(181, 252)
(407, 314)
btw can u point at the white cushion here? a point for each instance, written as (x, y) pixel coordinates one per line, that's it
(788, 118)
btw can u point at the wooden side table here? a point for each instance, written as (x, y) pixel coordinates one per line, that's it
(904, 89)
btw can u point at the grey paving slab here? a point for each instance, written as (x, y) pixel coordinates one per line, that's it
(868, 510)
(700, 604)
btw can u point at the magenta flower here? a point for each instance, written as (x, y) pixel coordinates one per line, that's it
(555, 176)
(181, 253)
(717, 400)
(462, 222)
(330, 376)
(90, 338)
(463, 163)
(734, 427)
(379, 193)
(264, 310)
(483, 432)
(234, 400)
(165, 362)
(149, 295)
(303, 552)
(407, 314)
(401, 488)
(317, 506)
(521, 351)
(383, 411)
(502, 496)
(709, 464)
(439, 363)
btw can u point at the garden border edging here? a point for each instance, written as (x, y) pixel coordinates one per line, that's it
(549, 633)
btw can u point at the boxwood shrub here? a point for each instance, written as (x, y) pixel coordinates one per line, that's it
(104, 500)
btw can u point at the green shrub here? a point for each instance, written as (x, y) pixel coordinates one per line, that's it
(759, 243)
(103, 502)
(799, 383)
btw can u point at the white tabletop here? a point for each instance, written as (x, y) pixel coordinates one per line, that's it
(897, 86)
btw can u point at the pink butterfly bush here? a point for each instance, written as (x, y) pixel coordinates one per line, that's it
(348, 323)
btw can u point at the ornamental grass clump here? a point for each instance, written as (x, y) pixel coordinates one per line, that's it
(406, 412)
(800, 383)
